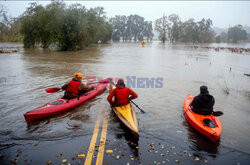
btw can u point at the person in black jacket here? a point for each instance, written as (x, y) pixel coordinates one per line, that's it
(203, 103)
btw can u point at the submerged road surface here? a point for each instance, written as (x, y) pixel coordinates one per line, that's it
(91, 129)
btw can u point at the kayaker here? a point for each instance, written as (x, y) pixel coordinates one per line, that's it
(122, 94)
(203, 103)
(74, 88)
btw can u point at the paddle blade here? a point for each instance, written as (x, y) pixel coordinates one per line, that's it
(218, 113)
(52, 90)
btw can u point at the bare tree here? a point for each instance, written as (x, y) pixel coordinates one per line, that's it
(161, 25)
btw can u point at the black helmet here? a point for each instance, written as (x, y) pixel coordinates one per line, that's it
(203, 89)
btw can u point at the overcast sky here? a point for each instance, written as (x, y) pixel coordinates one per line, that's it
(222, 13)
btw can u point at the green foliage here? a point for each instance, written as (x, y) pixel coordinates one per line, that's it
(9, 27)
(68, 27)
(131, 27)
(223, 37)
(236, 33)
(188, 31)
(162, 26)
(217, 39)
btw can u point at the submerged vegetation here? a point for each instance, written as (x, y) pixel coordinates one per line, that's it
(75, 27)
(69, 28)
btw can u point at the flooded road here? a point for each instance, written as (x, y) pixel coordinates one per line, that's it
(165, 135)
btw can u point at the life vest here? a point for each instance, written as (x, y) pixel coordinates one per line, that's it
(121, 96)
(73, 87)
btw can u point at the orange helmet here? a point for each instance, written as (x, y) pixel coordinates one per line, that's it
(79, 75)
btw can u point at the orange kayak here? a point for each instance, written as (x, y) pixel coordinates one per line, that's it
(208, 125)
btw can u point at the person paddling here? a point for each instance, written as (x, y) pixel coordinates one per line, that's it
(75, 87)
(122, 94)
(203, 103)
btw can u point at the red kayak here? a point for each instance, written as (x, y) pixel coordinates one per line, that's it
(59, 106)
(208, 125)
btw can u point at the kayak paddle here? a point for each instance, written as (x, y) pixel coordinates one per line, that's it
(129, 99)
(52, 90)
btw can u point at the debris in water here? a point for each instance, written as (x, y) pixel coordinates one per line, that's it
(174, 153)
(109, 151)
(205, 161)
(189, 155)
(132, 158)
(17, 155)
(73, 158)
(137, 158)
(117, 157)
(156, 152)
(59, 155)
(49, 163)
(34, 144)
(162, 155)
(196, 158)
(64, 160)
(127, 163)
(162, 146)
(19, 151)
(81, 155)
(163, 161)
(177, 161)
(173, 147)
(185, 151)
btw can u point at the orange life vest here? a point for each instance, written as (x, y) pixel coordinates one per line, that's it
(121, 96)
(73, 87)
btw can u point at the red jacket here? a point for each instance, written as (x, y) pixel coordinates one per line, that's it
(73, 87)
(122, 96)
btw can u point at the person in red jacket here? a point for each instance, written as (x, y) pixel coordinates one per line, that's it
(122, 94)
(74, 88)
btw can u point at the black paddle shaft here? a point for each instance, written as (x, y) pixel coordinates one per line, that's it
(129, 99)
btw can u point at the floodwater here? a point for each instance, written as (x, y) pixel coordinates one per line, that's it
(26, 74)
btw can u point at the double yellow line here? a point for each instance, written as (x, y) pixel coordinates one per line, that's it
(99, 159)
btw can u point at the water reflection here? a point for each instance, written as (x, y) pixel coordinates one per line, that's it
(129, 137)
(199, 143)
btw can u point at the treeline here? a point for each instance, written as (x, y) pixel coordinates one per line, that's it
(67, 27)
(131, 27)
(173, 29)
(74, 27)
(233, 35)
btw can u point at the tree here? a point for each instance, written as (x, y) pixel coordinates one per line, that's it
(69, 27)
(237, 33)
(174, 27)
(148, 30)
(223, 37)
(218, 39)
(131, 27)
(161, 25)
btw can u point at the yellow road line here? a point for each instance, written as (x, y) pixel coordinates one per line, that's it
(93, 140)
(100, 154)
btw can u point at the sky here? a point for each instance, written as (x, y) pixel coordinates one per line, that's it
(222, 13)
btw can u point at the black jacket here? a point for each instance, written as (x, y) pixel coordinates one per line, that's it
(203, 104)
